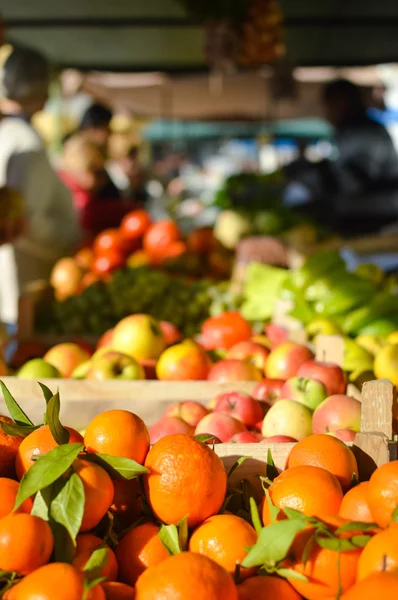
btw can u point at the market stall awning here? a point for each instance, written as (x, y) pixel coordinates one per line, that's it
(142, 35)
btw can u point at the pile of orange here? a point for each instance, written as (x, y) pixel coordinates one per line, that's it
(170, 534)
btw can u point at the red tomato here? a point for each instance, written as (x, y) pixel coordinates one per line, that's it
(225, 330)
(108, 263)
(135, 224)
(108, 241)
(161, 235)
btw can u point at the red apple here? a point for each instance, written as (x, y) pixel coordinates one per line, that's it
(286, 359)
(105, 340)
(225, 330)
(66, 357)
(254, 353)
(268, 390)
(83, 345)
(309, 392)
(167, 426)
(221, 425)
(189, 411)
(241, 406)
(337, 412)
(233, 370)
(345, 435)
(182, 362)
(246, 437)
(276, 334)
(171, 333)
(332, 376)
(149, 366)
(278, 439)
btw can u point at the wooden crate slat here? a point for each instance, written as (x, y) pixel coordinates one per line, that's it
(377, 407)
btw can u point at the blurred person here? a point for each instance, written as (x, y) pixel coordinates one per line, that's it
(96, 199)
(95, 125)
(129, 177)
(51, 229)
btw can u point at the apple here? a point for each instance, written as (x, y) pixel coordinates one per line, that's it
(241, 406)
(168, 426)
(276, 335)
(233, 370)
(221, 425)
(66, 357)
(309, 392)
(278, 439)
(261, 339)
(37, 368)
(337, 412)
(285, 360)
(149, 366)
(139, 336)
(65, 278)
(246, 437)
(84, 345)
(115, 365)
(254, 353)
(345, 435)
(332, 376)
(182, 362)
(84, 258)
(189, 411)
(105, 340)
(81, 371)
(171, 333)
(287, 417)
(268, 390)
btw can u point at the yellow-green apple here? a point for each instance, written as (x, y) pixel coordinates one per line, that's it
(241, 406)
(286, 359)
(332, 376)
(337, 412)
(268, 390)
(66, 357)
(234, 370)
(115, 365)
(309, 392)
(139, 336)
(168, 426)
(81, 371)
(189, 411)
(252, 352)
(105, 340)
(184, 361)
(322, 327)
(386, 364)
(221, 425)
(287, 417)
(171, 333)
(246, 437)
(279, 439)
(38, 368)
(345, 435)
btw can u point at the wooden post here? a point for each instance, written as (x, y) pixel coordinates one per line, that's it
(330, 348)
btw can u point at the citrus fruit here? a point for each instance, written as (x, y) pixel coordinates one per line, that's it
(37, 443)
(386, 363)
(354, 506)
(118, 433)
(8, 494)
(139, 549)
(266, 588)
(310, 490)
(186, 478)
(186, 575)
(9, 445)
(224, 539)
(380, 554)
(86, 543)
(98, 490)
(322, 450)
(127, 501)
(26, 543)
(117, 591)
(377, 585)
(382, 494)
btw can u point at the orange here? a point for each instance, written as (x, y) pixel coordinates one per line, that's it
(160, 235)
(86, 543)
(186, 478)
(119, 433)
(310, 490)
(98, 489)
(37, 443)
(267, 588)
(8, 494)
(224, 539)
(139, 549)
(328, 452)
(380, 554)
(26, 543)
(117, 591)
(354, 506)
(382, 493)
(57, 580)
(127, 501)
(186, 575)
(378, 585)
(9, 445)
(322, 568)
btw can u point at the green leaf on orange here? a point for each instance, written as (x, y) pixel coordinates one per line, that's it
(18, 430)
(394, 516)
(58, 431)
(47, 469)
(356, 526)
(67, 507)
(16, 412)
(168, 535)
(41, 504)
(255, 516)
(291, 513)
(204, 438)
(331, 542)
(237, 464)
(47, 393)
(96, 563)
(272, 471)
(273, 510)
(290, 574)
(183, 533)
(118, 467)
(273, 543)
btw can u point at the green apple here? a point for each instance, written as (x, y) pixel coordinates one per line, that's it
(287, 417)
(38, 368)
(309, 392)
(115, 365)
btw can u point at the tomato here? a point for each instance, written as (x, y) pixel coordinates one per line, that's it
(108, 262)
(108, 241)
(135, 224)
(225, 330)
(160, 235)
